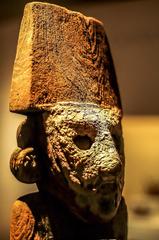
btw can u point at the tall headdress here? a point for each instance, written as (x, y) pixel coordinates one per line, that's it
(61, 56)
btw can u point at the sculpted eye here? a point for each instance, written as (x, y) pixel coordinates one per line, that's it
(83, 142)
(85, 135)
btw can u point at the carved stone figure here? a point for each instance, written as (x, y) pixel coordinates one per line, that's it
(71, 143)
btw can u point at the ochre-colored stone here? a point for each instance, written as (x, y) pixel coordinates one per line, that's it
(73, 147)
(61, 56)
(92, 169)
(44, 218)
(24, 165)
(22, 222)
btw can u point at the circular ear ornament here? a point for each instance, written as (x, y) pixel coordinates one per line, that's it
(24, 165)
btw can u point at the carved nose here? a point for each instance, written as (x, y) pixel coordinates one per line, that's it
(111, 168)
(104, 174)
(110, 162)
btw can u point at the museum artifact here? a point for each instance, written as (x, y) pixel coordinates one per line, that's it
(71, 142)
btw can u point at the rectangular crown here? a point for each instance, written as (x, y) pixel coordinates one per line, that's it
(61, 56)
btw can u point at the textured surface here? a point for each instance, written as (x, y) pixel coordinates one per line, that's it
(24, 162)
(73, 148)
(85, 150)
(24, 165)
(61, 56)
(22, 222)
(42, 218)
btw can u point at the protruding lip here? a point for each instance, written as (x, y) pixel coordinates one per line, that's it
(102, 199)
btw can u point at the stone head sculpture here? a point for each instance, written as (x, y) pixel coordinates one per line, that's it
(64, 82)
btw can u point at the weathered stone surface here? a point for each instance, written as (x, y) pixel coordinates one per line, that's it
(24, 165)
(41, 217)
(22, 222)
(85, 149)
(61, 56)
(73, 147)
(24, 161)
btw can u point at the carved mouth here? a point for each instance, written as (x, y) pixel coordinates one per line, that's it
(101, 201)
(102, 207)
(108, 200)
(108, 205)
(105, 206)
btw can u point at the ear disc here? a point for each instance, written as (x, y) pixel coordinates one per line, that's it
(25, 166)
(24, 163)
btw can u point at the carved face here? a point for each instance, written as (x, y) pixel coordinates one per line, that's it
(85, 151)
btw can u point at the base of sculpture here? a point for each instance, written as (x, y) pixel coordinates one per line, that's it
(37, 216)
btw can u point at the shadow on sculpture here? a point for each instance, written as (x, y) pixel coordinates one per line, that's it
(71, 143)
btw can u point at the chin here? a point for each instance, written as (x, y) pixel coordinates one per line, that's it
(97, 208)
(99, 205)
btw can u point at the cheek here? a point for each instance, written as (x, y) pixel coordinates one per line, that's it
(61, 152)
